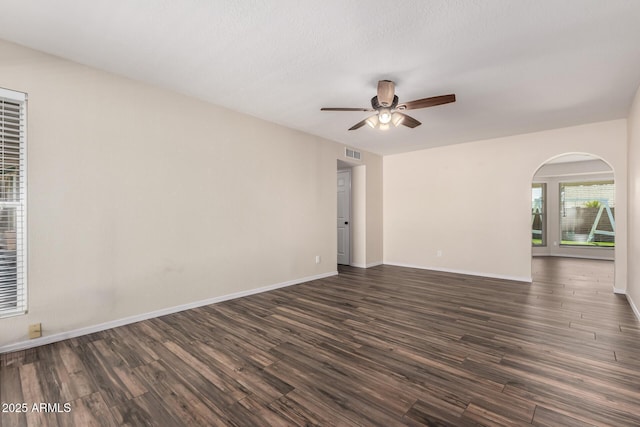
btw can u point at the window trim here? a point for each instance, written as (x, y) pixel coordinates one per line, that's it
(543, 214)
(21, 223)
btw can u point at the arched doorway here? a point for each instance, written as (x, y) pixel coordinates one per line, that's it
(573, 209)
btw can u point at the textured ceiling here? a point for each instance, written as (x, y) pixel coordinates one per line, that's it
(515, 66)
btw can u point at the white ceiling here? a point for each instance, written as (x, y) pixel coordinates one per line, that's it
(515, 66)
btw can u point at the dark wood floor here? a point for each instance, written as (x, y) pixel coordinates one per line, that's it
(384, 346)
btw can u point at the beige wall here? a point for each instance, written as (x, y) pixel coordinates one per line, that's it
(374, 204)
(472, 201)
(633, 288)
(142, 199)
(358, 216)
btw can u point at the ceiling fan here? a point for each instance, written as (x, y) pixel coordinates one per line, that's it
(389, 111)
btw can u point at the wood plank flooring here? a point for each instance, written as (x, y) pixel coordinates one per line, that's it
(386, 346)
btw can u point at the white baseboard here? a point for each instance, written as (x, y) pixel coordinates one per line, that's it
(633, 307)
(357, 265)
(23, 345)
(469, 273)
(373, 264)
(631, 303)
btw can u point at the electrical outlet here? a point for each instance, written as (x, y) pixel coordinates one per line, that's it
(439, 252)
(35, 330)
(318, 259)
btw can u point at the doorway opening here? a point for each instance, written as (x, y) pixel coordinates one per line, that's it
(344, 217)
(352, 214)
(573, 209)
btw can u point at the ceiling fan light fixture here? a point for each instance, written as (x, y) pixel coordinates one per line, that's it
(372, 121)
(384, 115)
(396, 119)
(388, 111)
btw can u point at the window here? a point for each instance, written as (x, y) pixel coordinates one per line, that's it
(538, 215)
(587, 213)
(13, 292)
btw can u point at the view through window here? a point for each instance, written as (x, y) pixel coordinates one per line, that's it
(587, 213)
(538, 218)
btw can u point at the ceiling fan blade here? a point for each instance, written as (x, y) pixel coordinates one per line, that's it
(386, 91)
(358, 125)
(409, 121)
(427, 102)
(346, 109)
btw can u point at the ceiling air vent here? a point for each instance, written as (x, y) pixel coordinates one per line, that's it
(352, 154)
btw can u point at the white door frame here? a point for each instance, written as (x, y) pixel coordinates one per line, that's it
(344, 216)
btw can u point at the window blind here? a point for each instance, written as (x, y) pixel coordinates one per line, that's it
(587, 213)
(13, 293)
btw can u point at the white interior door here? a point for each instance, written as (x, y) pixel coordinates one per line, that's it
(344, 216)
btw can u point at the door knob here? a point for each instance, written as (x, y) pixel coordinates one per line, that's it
(346, 223)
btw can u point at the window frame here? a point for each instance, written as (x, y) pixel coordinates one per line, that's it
(20, 204)
(543, 215)
(562, 213)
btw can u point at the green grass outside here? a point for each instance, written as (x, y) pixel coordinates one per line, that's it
(601, 244)
(538, 242)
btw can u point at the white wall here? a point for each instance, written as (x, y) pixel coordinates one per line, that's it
(472, 201)
(633, 288)
(140, 199)
(374, 206)
(358, 216)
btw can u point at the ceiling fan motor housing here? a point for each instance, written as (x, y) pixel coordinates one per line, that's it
(386, 92)
(376, 105)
